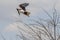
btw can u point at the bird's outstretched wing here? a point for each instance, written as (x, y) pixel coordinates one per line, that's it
(18, 11)
(23, 6)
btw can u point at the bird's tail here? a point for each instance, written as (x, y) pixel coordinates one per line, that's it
(27, 13)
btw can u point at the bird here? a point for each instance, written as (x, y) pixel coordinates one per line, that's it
(23, 9)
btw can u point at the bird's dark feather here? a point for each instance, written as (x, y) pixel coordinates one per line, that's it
(23, 6)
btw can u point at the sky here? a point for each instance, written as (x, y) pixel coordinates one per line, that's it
(9, 15)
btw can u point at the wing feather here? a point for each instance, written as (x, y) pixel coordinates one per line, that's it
(23, 6)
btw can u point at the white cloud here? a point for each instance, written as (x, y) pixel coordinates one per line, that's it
(11, 27)
(14, 27)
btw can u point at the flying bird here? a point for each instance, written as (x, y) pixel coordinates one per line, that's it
(23, 9)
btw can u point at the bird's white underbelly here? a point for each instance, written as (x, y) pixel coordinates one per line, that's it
(21, 11)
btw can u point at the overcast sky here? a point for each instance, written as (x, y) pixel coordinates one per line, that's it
(9, 15)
